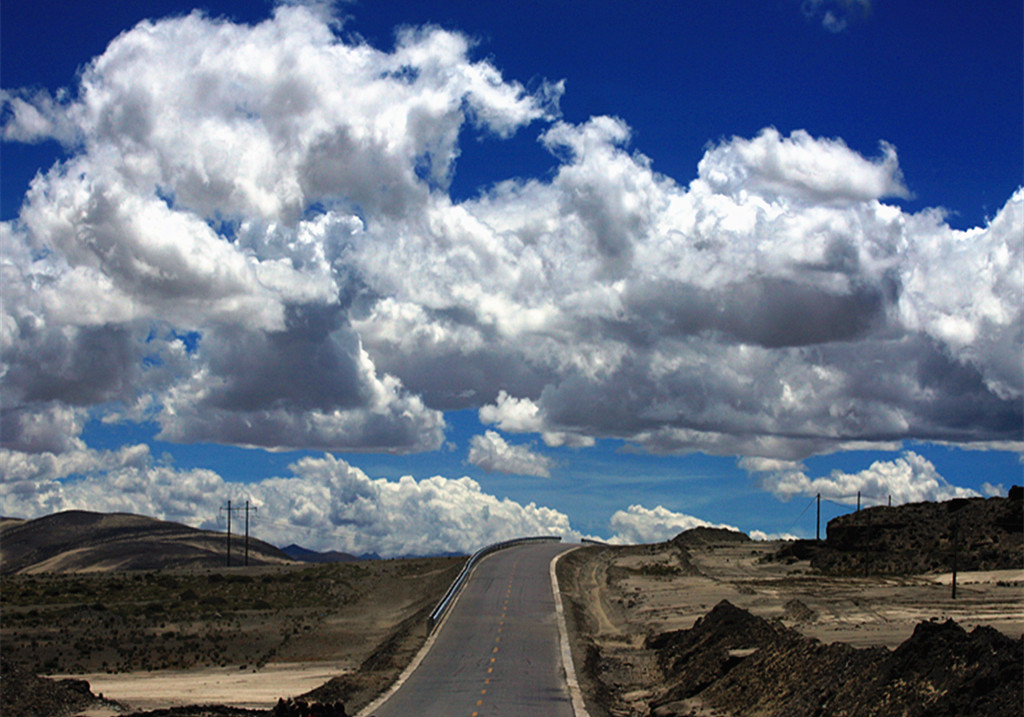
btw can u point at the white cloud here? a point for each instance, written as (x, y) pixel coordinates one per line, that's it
(325, 504)
(198, 147)
(966, 290)
(761, 535)
(521, 415)
(494, 454)
(515, 415)
(910, 478)
(638, 524)
(800, 167)
(993, 490)
(282, 193)
(49, 466)
(741, 314)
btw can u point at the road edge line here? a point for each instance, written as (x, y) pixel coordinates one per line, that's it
(579, 707)
(420, 656)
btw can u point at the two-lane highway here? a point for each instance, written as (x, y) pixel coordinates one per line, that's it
(498, 651)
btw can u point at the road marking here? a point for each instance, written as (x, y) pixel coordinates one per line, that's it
(579, 707)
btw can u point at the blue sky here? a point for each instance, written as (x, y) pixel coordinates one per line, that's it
(706, 259)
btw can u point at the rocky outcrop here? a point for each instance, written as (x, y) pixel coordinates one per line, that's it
(26, 694)
(976, 533)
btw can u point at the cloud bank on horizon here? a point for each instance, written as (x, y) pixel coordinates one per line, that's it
(325, 503)
(251, 242)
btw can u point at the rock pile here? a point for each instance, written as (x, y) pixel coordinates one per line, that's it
(741, 664)
(26, 694)
(301, 708)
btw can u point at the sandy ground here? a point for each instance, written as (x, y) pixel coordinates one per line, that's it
(623, 595)
(253, 689)
(631, 601)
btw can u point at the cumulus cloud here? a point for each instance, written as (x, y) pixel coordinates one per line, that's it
(494, 454)
(910, 478)
(801, 167)
(216, 174)
(746, 313)
(280, 194)
(521, 415)
(638, 524)
(325, 503)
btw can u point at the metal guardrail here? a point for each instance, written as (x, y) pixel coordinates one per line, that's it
(438, 612)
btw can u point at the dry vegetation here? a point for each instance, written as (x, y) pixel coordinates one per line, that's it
(245, 618)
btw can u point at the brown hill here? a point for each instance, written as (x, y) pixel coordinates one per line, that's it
(80, 541)
(978, 533)
(708, 536)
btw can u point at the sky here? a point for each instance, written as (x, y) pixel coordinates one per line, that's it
(414, 277)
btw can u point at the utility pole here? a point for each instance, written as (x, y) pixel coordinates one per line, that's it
(229, 510)
(858, 501)
(229, 533)
(817, 527)
(254, 509)
(956, 540)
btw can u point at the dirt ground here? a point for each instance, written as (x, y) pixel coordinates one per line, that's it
(240, 637)
(620, 596)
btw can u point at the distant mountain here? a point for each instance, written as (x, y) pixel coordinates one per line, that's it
(80, 541)
(297, 552)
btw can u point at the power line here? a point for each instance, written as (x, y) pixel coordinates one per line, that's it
(800, 516)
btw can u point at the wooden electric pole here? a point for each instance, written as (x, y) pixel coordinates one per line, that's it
(229, 510)
(956, 540)
(229, 533)
(254, 509)
(817, 527)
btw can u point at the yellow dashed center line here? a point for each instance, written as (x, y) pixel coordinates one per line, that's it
(497, 639)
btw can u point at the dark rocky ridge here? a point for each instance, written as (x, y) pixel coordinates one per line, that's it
(984, 534)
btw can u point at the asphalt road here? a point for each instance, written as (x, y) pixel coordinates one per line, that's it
(498, 652)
